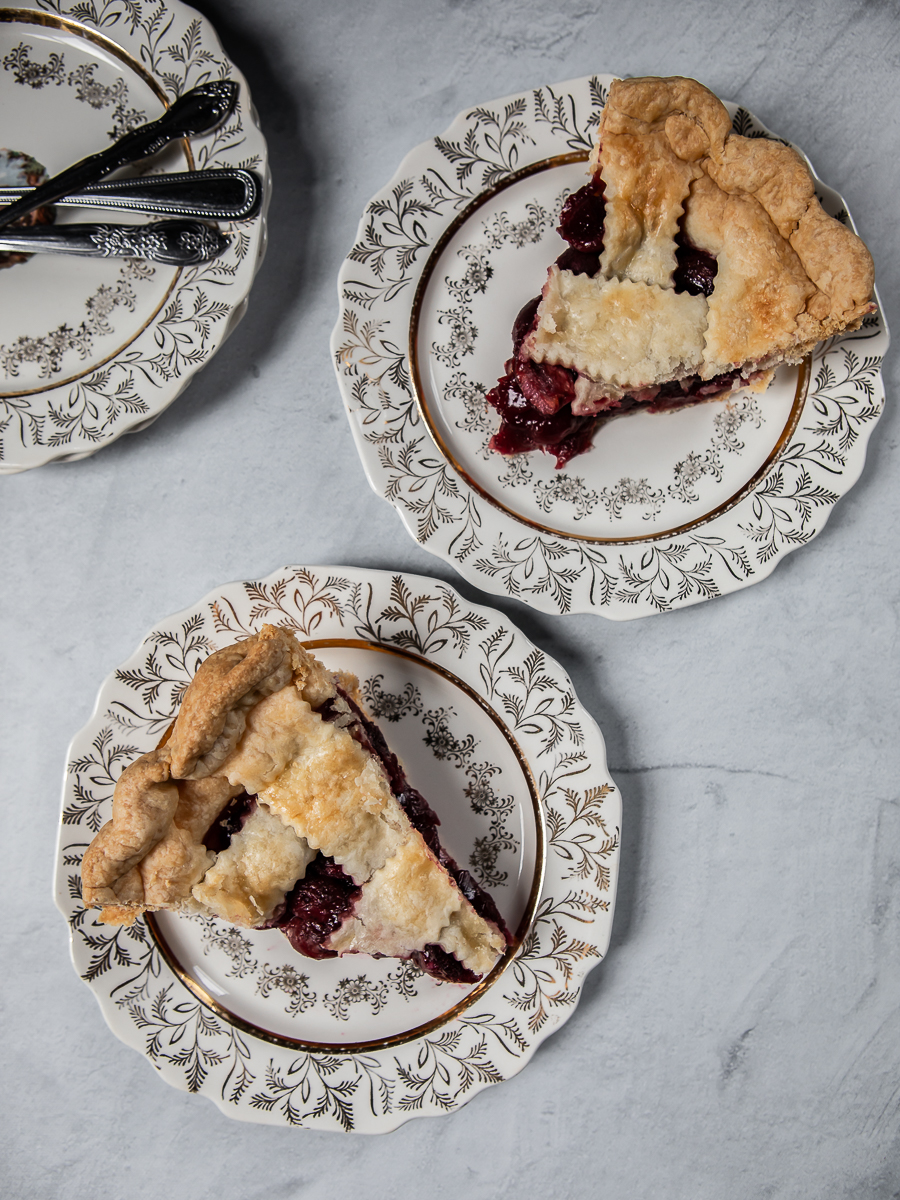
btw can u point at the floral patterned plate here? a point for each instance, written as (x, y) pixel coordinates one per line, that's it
(666, 509)
(490, 729)
(94, 348)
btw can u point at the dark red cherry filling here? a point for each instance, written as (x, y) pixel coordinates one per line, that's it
(695, 269)
(534, 403)
(436, 962)
(524, 427)
(534, 399)
(578, 262)
(581, 225)
(679, 393)
(229, 821)
(316, 906)
(581, 218)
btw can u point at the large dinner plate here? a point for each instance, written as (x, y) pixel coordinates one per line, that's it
(490, 730)
(93, 348)
(666, 509)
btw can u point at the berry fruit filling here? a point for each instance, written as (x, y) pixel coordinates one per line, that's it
(230, 821)
(534, 400)
(316, 906)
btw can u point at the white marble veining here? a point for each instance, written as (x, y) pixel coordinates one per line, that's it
(742, 1038)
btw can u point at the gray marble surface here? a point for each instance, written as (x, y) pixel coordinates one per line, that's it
(742, 1038)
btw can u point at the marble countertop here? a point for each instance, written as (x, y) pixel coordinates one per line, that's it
(742, 1037)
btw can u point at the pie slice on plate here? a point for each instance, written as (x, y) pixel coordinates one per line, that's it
(274, 801)
(699, 261)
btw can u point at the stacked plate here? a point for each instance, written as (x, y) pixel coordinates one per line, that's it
(94, 348)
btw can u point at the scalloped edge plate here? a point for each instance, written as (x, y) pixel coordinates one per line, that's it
(815, 458)
(373, 1088)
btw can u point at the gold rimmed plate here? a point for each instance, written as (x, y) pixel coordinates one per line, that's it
(489, 729)
(665, 509)
(93, 348)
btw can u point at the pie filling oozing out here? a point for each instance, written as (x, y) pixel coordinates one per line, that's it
(699, 261)
(274, 802)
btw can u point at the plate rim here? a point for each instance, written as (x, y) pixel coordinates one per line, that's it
(560, 572)
(593, 925)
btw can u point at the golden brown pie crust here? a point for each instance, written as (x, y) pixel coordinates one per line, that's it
(788, 274)
(249, 723)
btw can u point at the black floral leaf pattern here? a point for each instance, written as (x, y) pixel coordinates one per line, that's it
(32, 74)
(187, 1035)
(545, 966)
(560, 113)
(490, 147)
(301, 603)
(390, 706)
(356, 991)
(393, 238)
(747, 125)
(308, 1079)
(668, 573)
(447, 746)
(422, 627)
(599, 95)
(507, 1033)
(447, 1066)
(535, 705)
(581, 835)
(169, 665)
(95, 776)
(292, 982)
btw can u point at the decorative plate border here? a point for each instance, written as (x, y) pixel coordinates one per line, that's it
(374, 1090)
(175, 48)
(494, 550)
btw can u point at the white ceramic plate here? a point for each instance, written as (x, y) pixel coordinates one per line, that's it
(93, 348)
(666, 509)
(492, 733)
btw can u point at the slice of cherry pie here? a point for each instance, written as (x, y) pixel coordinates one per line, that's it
(699, 261)
(274, 801)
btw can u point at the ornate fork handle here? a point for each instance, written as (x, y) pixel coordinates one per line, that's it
(228, 194)
(177, 243)
(196, 112)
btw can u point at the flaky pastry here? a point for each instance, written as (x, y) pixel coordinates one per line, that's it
(274, 801)
(700, 261)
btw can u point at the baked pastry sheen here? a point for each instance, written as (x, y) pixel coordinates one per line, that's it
(274, 801)
(700, 261)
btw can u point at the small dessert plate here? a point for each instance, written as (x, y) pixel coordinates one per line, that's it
(94, 348)
(666, 509)
(490, 730)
